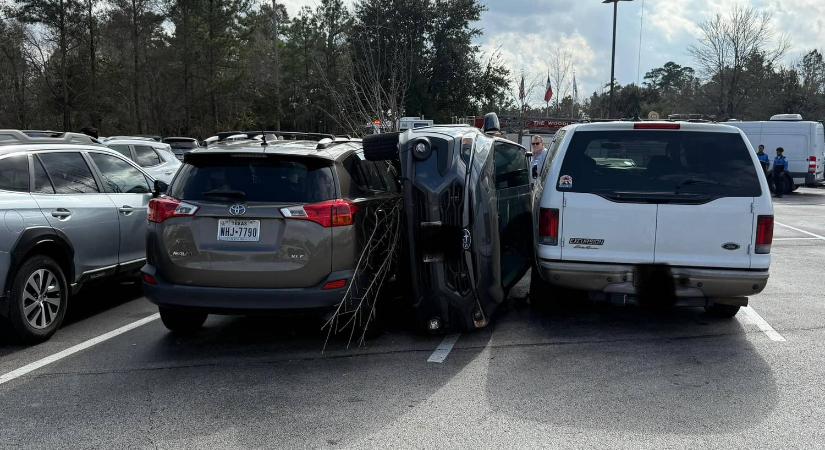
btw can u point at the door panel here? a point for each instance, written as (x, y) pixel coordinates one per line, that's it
(596, 229)
(513, 193)
(78, 209)
(684, 236)
(130, 193)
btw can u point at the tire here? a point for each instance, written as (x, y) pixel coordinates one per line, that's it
(183, 322)
(381, 147)
(722, 311)
(38, 299)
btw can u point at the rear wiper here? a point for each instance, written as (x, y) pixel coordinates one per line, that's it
(692, 181)
(225, 194)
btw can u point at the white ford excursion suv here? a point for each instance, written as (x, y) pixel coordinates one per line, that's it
(666, 212)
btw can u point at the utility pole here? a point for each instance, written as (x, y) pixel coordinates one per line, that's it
(613, 54)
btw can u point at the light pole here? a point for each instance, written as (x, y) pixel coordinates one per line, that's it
(613, 57)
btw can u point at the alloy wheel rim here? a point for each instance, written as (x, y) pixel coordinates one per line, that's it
(42, 298)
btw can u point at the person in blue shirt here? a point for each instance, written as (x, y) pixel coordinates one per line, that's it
(539, 152)
(780, 166)
(764, 159)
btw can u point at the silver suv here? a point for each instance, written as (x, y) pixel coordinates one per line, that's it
(73, 212)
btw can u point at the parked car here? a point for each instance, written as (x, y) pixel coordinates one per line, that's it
(181, 145)
(248, 226)
(803, 141)
(467, 202)
(74, 212)
(154, 157)
(689, 220)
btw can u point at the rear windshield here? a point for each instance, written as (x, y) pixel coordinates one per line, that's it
(254, 180)
(182, 144)
(652, 162)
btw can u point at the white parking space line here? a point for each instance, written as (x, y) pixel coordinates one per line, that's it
(801, 231)
(443, 349)
(17, 373)
(754, 318)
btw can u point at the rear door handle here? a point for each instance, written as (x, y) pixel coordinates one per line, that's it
(126, 210)
(61, 213)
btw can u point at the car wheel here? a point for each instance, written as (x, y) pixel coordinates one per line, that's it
(180, 321)
(722, 311)
(38, 299)
(381, 147)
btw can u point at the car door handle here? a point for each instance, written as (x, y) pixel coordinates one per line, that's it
(61, 213)
(126, 210)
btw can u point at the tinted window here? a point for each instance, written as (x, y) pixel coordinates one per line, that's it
(69, 173)
(693, 163)
(42, 183)
(511, 166)
(186, 145)
(120, 176)
(14, 173)
(146, 156)
(366, 177)
(122, 149)
(255, 180)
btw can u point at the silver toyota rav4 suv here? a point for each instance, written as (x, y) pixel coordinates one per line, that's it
(73, 212)
(249, 226)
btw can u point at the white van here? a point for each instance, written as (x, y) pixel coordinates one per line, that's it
(803, 141)
(622, 206)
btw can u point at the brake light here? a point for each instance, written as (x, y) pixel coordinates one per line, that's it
(332, 213)
(812, 164)
(549, 226)
(164, 208)
(764, 234)
(656, 126)
(150, 280)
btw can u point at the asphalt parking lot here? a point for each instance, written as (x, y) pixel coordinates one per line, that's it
(589, 375)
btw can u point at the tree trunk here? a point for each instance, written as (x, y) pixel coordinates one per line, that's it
(93, 114)
(64, 72)
(187, 98)
(277, 60)
(213, 103)
(136, 79)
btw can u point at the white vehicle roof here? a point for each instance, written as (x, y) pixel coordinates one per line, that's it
(652, 125)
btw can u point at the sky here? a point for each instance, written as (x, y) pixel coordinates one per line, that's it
(526, 32)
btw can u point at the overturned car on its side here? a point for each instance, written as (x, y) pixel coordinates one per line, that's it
(467, 215)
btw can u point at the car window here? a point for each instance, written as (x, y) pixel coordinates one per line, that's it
(69, 173)
(42, 183)
(14, 173)
(219, 178)
(511, 166)
(649, 162)
(364, 176)
(146, 156)
(552, 152)
(122, 149)
(119, 176)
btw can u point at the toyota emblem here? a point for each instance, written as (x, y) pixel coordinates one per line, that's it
(237, 210)
(466, 239)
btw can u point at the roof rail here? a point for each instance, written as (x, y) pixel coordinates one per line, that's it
(13, 137)
(281, 135)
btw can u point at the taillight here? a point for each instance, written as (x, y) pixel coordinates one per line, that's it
(149, 279)
(656, 126)
(337, 284)
(332, 213)
(812, 164)
(549, 226)
(164, 208)
(764, 234)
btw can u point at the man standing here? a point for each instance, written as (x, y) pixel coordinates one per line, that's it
(780, 166)
(764, 159)
(539, 154)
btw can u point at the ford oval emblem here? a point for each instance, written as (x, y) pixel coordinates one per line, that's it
(466, 239)
(730, 246)
(237, 210)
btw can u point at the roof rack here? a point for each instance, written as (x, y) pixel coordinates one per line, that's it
(14, 137)
(281, 135)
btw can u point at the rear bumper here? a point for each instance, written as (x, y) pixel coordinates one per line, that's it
(220, 300)
(689, 282)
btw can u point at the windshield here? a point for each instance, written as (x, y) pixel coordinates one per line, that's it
(659, 162)
(254, 180)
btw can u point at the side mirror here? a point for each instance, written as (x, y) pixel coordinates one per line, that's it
(160, 188)
(491, 123)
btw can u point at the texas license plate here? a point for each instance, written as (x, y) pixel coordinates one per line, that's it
(236, 230)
